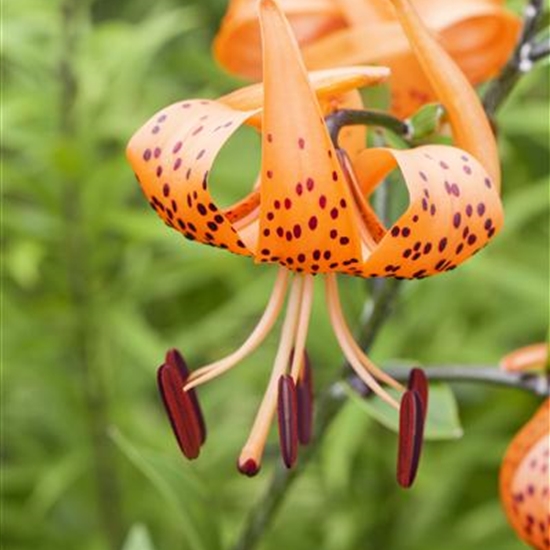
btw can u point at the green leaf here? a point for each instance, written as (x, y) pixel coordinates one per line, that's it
(138, 539)
(426, 121)
(179, 486)
(442, 423)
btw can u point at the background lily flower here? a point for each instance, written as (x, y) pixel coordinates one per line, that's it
(525, 470)
(310, 215)
(524, 479)
(478, 34)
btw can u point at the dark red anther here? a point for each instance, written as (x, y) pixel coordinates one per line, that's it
(171, 378)
(174, 358)
(249, 467)
(304, 393)
(411, 428)
(419, 383)
(287, 409)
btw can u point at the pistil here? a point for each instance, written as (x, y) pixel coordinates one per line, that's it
(250, 458)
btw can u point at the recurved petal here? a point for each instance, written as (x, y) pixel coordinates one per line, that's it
(305, 217)
(237, 46)
(454, 210)
(529, 358)
(524, 480)
(332, 87)
(172, 155)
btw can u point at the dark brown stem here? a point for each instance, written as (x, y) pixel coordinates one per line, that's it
(536, 383)
(349, 117)
(501, 87)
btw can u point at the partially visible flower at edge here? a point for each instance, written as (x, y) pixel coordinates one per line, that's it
(478, 34)
(310, 214)
(525, 470)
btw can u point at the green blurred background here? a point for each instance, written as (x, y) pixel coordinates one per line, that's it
(95, 289)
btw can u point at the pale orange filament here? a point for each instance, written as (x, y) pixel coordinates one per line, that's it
(263, 328)
(254, 446)
(360, 363)
(303, 325)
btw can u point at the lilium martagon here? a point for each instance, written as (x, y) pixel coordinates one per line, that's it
(310, 215)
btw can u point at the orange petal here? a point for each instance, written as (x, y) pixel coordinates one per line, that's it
(528, 358)
(330, 86)
(524, 480)
(471, 129)
(172, 155)
(306, 220)
(478, 34)
(237, 46)
(454, 210)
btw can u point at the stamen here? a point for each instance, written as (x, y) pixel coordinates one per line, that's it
(370, 228)
(254, 446)
(303, 325)
(304, 392)
(180, 409)
(175, 359)
(263, 328)
(411, 431)
(419, 383)
(287, 408)
(356, 358)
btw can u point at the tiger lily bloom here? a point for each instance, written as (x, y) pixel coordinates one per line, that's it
(525, 471)
(479, 34)
(309, 213)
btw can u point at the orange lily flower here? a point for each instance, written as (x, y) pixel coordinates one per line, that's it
(478, 34)
(525, 470)
(310, 214)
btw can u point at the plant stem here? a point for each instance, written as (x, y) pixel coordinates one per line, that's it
(84, 331)
(536, 383)
(350, 117)
(500, 88)
(539, 50)
(327, 406)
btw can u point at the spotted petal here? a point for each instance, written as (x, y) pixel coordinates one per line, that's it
(454, 210)
(305, 217)
(172, 155)
(524, 480)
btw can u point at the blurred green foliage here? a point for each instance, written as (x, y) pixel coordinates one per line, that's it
(95, 290)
